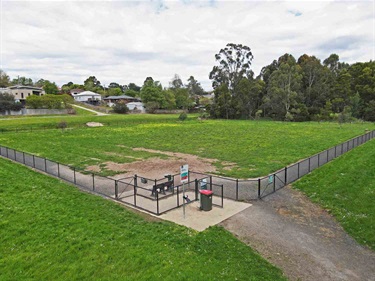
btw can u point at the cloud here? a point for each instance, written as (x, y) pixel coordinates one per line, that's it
(126, 41)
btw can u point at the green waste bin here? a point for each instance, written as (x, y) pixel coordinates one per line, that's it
(206, 200)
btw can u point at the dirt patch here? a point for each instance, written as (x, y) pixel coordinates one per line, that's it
(156, 167)
(302, 239)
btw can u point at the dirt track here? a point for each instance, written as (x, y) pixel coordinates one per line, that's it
(302, 239)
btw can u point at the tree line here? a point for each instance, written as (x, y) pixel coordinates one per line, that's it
(289, 89)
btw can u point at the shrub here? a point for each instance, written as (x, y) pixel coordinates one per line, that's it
(120, 108)
(183, 116)
(62, 125)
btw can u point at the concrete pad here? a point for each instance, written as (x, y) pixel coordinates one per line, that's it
(200, 220)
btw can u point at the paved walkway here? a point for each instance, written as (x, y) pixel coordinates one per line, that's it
(301, 238)
(91, 110)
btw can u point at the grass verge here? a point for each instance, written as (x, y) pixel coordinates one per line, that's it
(346, 188)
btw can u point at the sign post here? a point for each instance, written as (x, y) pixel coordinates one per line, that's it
(184, 174)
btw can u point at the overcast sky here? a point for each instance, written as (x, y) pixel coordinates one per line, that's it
(126, 41)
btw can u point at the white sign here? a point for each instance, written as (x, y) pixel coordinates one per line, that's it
(184, 173)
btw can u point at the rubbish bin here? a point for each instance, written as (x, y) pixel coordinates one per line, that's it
(206, 200)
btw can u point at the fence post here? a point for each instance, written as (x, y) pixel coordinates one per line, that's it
(210, 182)
(157, 202)
(93, 181)
(259, 188)
(74, 173)
(327, 156)
(335, 151)
(178, 195)
(45, 165)
(7, 153)
(319, 159)
(116, 190)
(135, 195)
(286, 175)
(196, 189)
(23, 156)
(33, 161)
(274, 182)
(135, 180)
(15, 155)
(58, 169)
(222, 195)
(298, 170)
(236, 189)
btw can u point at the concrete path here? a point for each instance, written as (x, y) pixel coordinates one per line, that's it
(91, 110)
(200, 220)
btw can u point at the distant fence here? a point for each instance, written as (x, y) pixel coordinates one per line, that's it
(258, 188)
(158, 196)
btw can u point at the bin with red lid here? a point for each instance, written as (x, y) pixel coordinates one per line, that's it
(206, 200)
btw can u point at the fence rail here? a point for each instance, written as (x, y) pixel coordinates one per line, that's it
(143, 193)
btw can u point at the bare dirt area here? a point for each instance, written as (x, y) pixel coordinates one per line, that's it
(302, 239)
(156, 167)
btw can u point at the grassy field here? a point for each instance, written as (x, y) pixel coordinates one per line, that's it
(256, 147)
(51, 231)
(346, 187)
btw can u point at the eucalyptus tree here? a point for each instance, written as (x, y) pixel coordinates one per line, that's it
(234, 64)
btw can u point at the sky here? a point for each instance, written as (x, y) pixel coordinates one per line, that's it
(127, 41)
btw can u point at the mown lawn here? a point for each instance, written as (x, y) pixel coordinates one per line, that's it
(51, 231)
(346, 187)
(256, 147)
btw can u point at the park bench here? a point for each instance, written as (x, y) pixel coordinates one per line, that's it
(162, 187)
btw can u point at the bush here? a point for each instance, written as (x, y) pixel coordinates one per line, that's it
(7, 102)
(183, 116)
(49, 101)
(120, 108)
(62, 125)
(152, 106)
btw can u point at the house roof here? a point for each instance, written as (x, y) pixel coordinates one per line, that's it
(25, 87)
(123, 97)
(87, 93)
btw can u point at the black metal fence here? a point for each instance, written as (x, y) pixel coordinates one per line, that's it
(158, 196)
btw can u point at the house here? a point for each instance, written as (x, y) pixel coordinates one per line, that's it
(136, 106)
(74, 92)
(112, 100)
(88, 96)
(21, 92)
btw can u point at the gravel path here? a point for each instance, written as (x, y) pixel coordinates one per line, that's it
(302, 239)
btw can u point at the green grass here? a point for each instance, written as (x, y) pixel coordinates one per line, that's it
(257, 148)
(51, 231)
(346, 187)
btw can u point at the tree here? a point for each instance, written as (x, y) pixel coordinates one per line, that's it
(221, 107)
(134, 87)
(234, 64)
(4, 79)
(194, 87)
(92, 84)
(284, 85)
(183, 101)
(152, 92)
(22, 81)
(50, 88)
(7, 102)
(176, 82)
